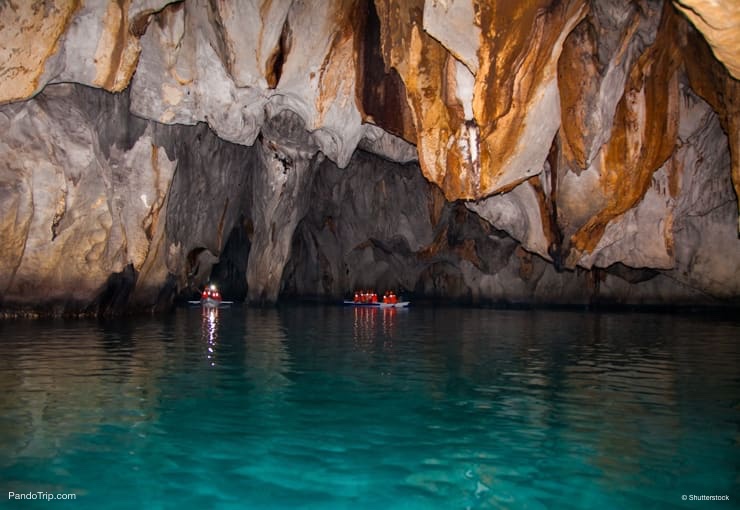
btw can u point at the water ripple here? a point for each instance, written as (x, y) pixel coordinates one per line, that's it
(323, 407)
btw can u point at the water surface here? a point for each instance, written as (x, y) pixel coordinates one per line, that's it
(331, 407)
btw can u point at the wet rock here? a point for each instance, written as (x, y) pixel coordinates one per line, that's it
(569, 151)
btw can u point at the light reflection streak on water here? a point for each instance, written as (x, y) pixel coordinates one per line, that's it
(365, 326)
(209, 333)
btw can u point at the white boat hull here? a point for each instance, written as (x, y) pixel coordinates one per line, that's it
(211, 303)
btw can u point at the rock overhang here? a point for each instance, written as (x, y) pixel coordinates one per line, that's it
(570, 109)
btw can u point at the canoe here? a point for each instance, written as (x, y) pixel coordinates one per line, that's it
(211, 303)
(378, 304)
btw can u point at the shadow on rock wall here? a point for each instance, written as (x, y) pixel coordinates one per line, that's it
(381, 225)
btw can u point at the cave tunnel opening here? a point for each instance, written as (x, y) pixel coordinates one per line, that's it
(230, 272)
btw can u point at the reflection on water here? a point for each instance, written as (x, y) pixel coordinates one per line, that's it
(331, 407)
(209, 333)
(371, 323)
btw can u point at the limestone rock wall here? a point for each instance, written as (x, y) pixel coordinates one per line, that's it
(103, 211)
(78, 202)
(596, 144)
(380, 225)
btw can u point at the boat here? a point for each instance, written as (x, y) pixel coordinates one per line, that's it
(370, 299)
(211, 298)
(378, 304)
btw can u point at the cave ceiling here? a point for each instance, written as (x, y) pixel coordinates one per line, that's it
(565, 123)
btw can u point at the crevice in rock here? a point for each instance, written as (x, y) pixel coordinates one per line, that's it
(230, 273)
(274, 66)
(553, 233)
(380, 90)
(58, 215)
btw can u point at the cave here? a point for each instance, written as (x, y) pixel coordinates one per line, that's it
(197, 197)
(399, 145)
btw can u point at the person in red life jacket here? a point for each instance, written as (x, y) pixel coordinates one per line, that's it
(357, 297)
(393, 298)
(211, 292)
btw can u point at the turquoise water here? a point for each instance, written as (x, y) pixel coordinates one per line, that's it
(331, 407)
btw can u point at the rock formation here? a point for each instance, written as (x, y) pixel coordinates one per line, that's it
(568, 151)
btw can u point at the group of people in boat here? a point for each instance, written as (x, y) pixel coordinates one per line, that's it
(210, 292)
(369, 296)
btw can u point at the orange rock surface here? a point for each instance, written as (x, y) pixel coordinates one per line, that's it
(30, 33)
